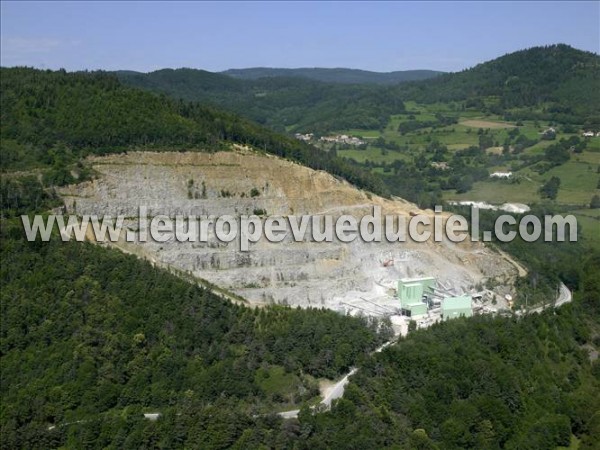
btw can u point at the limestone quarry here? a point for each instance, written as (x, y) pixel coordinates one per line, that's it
(333, 275)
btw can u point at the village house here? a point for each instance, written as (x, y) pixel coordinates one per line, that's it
(501, 175)
(442, 165)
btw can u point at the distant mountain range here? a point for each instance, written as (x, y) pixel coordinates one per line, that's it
(337, 75)
(555, 82)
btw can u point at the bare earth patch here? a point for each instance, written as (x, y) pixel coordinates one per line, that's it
(486, 124)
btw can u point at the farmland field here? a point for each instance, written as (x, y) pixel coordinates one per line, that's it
(579, 176)
(578, 184)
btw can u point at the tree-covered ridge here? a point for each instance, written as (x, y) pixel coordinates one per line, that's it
(564, 80)
(82, 110)
(557, 81)
(280, 102)
(60, 117)
(90, 339)
(88, 334)
(334, 75)
(110, 337)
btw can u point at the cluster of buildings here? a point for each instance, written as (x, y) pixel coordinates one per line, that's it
(304, 137)
(343, 139)
(418, 296)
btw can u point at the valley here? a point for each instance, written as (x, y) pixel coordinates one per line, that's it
(301, 344)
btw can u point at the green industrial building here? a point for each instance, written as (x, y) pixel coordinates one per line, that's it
(410, 294)
(414, 309)
(453, 307)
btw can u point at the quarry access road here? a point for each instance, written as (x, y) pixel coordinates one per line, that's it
(337, 390)
(334, 392)
(564, 296)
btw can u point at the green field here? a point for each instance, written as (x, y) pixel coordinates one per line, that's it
(457, 136)
(590, 228)
(499, 191)
(578, 180)
(578, 184)
(579, 175)
(373, 154)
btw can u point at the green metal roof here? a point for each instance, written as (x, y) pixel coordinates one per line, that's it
(461, 302)
(426, 282)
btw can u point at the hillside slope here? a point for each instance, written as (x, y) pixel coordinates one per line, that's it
(555, 82)
(282, 102)
(303, 273)
(91, 339)
(51, 119)
(560, 78)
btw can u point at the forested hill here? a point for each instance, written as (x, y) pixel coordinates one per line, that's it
(91, 338)
(554, 82)
(51, 119)
(282, 103)
(559, 78)
(336, 75)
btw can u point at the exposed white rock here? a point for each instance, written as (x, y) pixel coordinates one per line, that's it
(296, 273)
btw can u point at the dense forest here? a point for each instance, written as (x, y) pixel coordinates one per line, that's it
(482, 383)
(53, 119)
(90, 334)
(91, 339)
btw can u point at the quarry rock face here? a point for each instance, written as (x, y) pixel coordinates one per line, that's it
(242, 182)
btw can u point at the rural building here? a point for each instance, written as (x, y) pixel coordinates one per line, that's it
(442, 165)
(453, 307)
(501, 175)
(588, 134)
(550, 134)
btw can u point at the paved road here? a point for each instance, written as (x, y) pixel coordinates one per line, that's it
(564, 296)
(334, 392)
